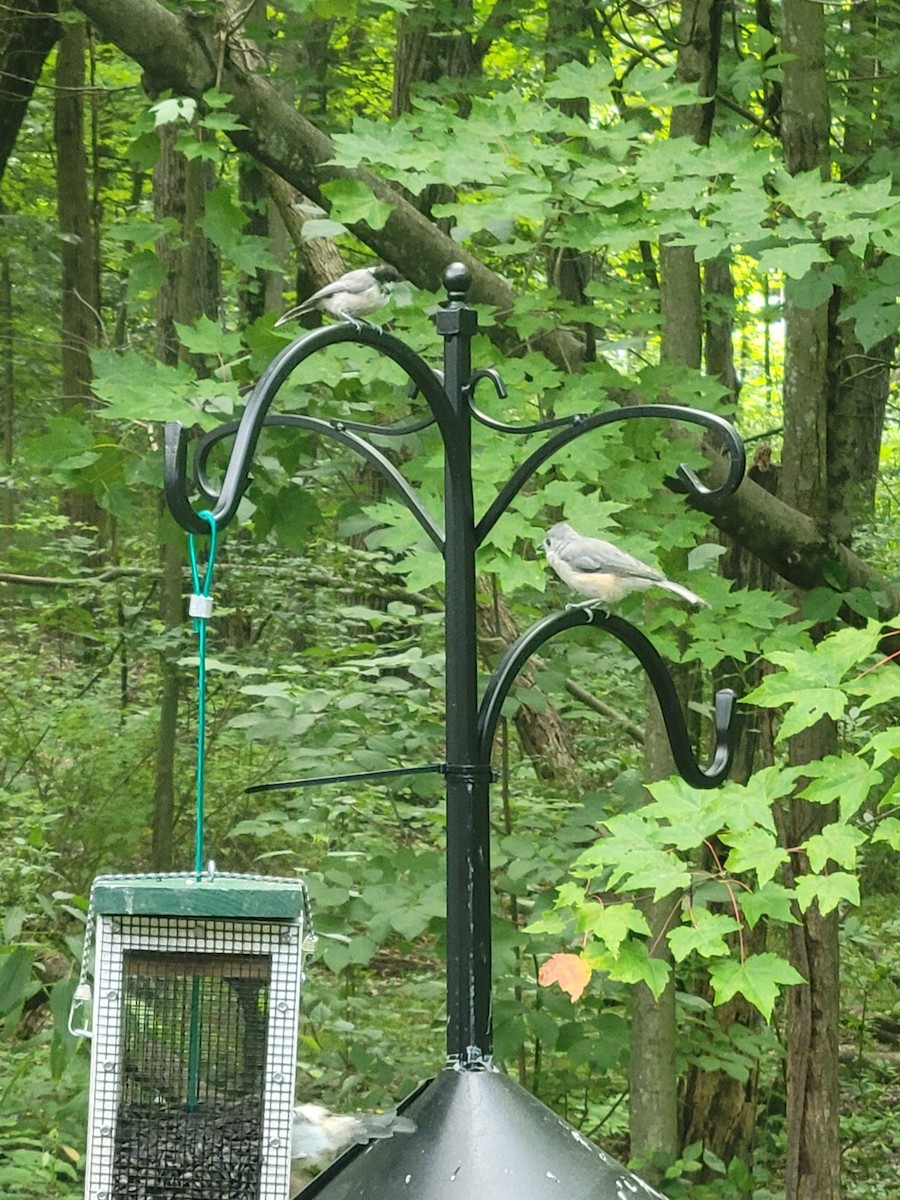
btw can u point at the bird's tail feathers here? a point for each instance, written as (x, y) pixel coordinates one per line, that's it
(685, 593)
(386, 1124)
(292, 313)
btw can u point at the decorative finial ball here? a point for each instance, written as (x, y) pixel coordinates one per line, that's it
(457, 281)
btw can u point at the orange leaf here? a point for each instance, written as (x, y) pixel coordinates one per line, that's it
(568, 970)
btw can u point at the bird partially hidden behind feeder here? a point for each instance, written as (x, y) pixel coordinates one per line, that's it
(318, 1135)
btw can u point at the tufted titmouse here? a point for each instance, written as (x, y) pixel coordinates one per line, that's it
(352, 297)
(318, 1133)
(600, 571)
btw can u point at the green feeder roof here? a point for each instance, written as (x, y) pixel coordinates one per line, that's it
(220, 895)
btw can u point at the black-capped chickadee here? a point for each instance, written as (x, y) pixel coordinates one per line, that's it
(319, 1134)
(351, 298)
(602, 572)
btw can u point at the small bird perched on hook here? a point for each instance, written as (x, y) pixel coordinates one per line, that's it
(351, 298)
(602, 572)
(318, 1134)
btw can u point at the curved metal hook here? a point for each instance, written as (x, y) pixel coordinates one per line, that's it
(502, 426)
(338, 431)
(727, 727)
(248, 429)
(578, 426)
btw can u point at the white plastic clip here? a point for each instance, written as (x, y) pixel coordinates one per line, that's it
(80, 1006)
(200, 607)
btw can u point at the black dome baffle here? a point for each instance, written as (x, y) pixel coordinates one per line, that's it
(480, 1136)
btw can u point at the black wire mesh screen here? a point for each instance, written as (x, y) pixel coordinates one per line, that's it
(189, 1124)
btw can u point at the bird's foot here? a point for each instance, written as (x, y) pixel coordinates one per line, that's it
(591, 607)
(359, 322)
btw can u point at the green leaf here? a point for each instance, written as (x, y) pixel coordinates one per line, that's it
(633, 964)
(836, 843)
(705, 935)
(353, 202)
(142, 232)
(754, 850)
(174, 108)
(888, 830)
(771, 900)
(15, 977)
(743, 806)
(612, 923)
(758, 979)
(646, 867)
(223, 122)
(811, 679)
(322, 227)
(883, 746)
(223, 219)
(140, 389)
(829, 890)
(687, 815)
(845, 778)
(794, 261)
(206, 336)
(574, 80)
(223, 222)
(810, 708)
(146, 274)
(296, 513)
(13, 920)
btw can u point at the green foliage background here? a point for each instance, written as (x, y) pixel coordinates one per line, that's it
(327, 637)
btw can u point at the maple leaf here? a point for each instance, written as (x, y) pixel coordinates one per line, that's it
(568, 970)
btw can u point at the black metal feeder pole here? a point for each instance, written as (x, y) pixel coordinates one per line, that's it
(468, 779)
(479, 1133)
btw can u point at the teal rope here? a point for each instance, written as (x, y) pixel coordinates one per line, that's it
(201, 609)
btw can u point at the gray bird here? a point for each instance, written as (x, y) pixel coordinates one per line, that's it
(351, 298)
(318, 1134)
(602, 572)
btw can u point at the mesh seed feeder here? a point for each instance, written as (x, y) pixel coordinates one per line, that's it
(195, 1001)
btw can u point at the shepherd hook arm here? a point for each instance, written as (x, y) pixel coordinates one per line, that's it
(578, 426)
(237, 472)
(726, 724)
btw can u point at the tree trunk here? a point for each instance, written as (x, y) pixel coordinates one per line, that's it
(653, 1077)
(718, 341)
(28, 30)
(570, 268)
(190, 289)
(171, 612)
(653, 1069)
(813, 1132)
(7, 396)
(434, 46)
(813, 1169)
(78, 252)
(860, 378)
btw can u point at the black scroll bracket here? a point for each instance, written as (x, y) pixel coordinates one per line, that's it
(470, 725)
(425, 381)
(579, 424)
(223, 501)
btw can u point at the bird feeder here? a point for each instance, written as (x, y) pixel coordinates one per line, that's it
(196, 990)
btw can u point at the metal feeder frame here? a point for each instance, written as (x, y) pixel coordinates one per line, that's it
(195, 1003)
(479, 1133)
